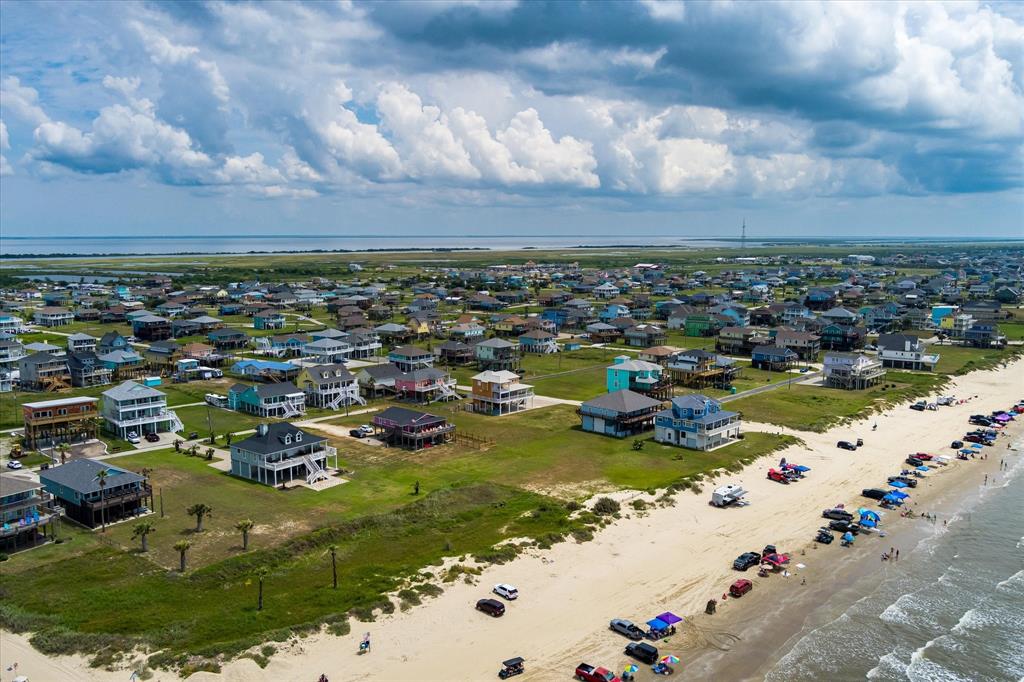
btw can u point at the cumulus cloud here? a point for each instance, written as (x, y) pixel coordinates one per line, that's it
(5, 144)
(514, 101)
(21, 101)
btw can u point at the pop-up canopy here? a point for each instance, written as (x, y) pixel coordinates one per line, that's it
(669, 617)
(657, 624)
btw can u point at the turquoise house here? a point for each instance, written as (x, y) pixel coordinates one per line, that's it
(638, 376)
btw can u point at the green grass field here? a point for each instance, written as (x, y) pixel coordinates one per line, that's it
(470, 500)
(814, 408)
(958, 360)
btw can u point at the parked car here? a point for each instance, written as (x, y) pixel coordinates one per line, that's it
(356, 433)
(626, 628)
(14, 464)
(366, 430)
(589, 673)
(906, 480)
(837, 513)
(824, 536)
(153, 437)
(507, 591)
(846, 445)
(957, 444)
(642, 651)
(746, 560)
(973, 438)
(133, 438)
(740, 587)
(841, 526)
(874, 493)
(492, 607)
(924, 456)
(914, 461)
(920, 406)
(776, 475)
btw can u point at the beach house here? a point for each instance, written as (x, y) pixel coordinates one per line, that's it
(852, 371)
(282, 400)
(500, 392)
(281, 452)
(538, 341)
(905, 351)
(44, 372)
(80, 342)
(400, 426)
(637, 375)
(26, 511)
(87, 370)
(64, 420)
(698, 368)
(620, 413)
(327, 351)
(497, 354)
(329, 386)
(131, 407)
(53, 316)
(92, 499)
(696, 422)
(772, 358)
(425, 385)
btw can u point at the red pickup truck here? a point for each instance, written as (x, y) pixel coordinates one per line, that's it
(588, 673)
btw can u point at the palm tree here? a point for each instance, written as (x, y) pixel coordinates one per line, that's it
(200, 511)
(101, 478)
(182, 546)
(261, 573)
(142, 531)
(333, 549)
(177, 444)
(245, 525)
(194, 450)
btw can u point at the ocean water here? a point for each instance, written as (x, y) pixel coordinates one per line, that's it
(952, 609)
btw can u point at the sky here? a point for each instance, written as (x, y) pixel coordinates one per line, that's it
(449, 117)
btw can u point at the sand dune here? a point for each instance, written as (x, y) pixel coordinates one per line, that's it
(671, 558)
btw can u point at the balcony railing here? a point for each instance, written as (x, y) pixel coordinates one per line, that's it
(110, 499)
(8, 529)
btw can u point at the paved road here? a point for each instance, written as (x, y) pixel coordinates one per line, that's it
(771, 387)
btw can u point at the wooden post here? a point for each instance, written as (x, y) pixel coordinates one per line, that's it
(161, 502)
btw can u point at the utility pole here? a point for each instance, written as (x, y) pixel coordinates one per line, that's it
(743, 237)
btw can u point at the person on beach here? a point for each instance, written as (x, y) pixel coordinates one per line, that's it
(897, 555)
(986, 479)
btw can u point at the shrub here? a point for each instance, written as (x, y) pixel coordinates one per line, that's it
(582, 534)
(606, 506)
(573, 505)
(429, 589)
(339, 628)
(639, 505)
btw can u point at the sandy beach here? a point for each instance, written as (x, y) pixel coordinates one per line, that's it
(669, 558)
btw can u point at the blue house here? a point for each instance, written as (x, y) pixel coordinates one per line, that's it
(696, 422)
(639, 376)
(619, 414)
(613, 311)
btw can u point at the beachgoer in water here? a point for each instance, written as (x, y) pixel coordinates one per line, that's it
(897, 555)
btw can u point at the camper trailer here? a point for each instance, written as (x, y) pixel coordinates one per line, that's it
(726, 495)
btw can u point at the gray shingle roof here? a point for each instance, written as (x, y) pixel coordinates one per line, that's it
(130, 390)
(624, 401)
(80, 475)
(274, 439)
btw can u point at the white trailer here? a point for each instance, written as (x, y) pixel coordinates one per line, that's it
(725, 495)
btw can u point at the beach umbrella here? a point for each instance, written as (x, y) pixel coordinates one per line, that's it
(669, 618)
(631, 668)
(670, 659)
(657, 624)
(848, 537)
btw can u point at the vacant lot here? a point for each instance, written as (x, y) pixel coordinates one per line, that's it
(814, 408)
(958, 360)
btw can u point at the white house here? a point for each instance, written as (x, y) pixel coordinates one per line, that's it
(905, 351)
(133, 408)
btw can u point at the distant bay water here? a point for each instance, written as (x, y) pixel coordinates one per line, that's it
(134, 245)
(193, 244)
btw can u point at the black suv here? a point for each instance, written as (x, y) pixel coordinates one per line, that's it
(906, 480)
(642, 651)
(874, 493)
(746, 560)
(491, 607)
(846, 445)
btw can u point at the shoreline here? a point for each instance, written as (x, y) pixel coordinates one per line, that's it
(839, 584)
(639, 566)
